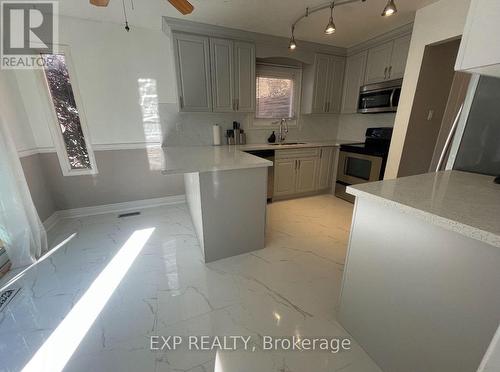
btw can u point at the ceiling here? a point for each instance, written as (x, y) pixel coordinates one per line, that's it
(355, 22)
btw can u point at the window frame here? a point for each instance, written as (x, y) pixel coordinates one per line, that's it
(280, 71)
(54, 125)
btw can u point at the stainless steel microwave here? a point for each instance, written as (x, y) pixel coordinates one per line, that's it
(381, 97)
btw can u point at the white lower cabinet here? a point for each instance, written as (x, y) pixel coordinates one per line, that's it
(325, 171)
(285, 177)
(307, 173)
(302, 171)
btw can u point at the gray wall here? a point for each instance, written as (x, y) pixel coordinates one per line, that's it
(433, 89)
(124, 175)
(37, 183)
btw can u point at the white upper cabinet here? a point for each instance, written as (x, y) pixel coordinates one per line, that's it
(399, 57)
(353, 80)
(221, 51)
(193, 72)
(322, 85)
(379, 60)
(336, 79)
(480, 47)
(387, 61)
(214, 74)
(244, 76)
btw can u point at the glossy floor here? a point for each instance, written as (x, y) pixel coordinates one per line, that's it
(117, 282)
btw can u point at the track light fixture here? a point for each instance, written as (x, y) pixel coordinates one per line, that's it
(389, 9)
(330, 29)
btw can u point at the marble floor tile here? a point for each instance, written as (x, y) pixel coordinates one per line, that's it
(163, 288)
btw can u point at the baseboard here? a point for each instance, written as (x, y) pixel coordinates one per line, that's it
(112, 208)
(50, 222)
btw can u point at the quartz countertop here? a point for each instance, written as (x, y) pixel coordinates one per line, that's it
(466, 203)
(187, 159)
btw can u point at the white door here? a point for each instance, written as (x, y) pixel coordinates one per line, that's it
(244, 76)
(193, 72)
(377, 66)
(307, 175)
(336, 81)
(325, 168)
(221, 51)
(321, 84)
(353, 80)
(285, 177)
(399, 57)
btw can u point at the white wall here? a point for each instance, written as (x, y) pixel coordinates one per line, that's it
(353, 126)
(13, 112)
(434, 23)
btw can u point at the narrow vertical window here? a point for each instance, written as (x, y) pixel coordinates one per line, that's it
(72, 144)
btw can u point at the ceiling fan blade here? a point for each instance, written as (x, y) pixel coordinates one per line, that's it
(182, 6)
(99, 2)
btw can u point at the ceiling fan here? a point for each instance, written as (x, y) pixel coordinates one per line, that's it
(182, 6)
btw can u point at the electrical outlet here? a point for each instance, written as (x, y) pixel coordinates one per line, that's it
(430, 115)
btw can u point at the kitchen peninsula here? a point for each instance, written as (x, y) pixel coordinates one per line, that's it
(226, 191)
(420, 288)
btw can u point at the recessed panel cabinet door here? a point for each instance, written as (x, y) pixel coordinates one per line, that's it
(336, 81)
(285, 177)
(353, 80)
(379, 60)
(321, 84)
(244, 76)
(325, 168)
(221, 51)
(399, 57)
(307, 175)
(193, 72)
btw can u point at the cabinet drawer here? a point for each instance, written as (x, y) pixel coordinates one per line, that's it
(297, 153)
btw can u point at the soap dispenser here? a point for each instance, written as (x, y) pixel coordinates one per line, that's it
(272, 138)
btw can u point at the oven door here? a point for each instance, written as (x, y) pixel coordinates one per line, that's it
(358, 168)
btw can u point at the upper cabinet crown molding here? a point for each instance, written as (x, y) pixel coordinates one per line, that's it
(480, 46)
(381, 39)
(170, 24)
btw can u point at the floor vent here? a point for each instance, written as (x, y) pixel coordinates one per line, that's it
(129, 214)
(6, 296)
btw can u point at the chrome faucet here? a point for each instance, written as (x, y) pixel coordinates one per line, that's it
(283, 131)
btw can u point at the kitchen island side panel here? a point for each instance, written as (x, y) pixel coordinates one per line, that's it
(234, 211)
(418, 297)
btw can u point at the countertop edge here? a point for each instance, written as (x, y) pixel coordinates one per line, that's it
(264, 164)
(446, 223)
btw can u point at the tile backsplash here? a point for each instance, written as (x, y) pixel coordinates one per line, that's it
(195, 129)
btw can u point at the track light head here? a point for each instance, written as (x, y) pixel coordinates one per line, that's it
(292, 45)
(330, 27)
(389, 9)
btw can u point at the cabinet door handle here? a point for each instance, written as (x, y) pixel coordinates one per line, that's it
(321, 153)
(385, 73)
(299, 164)
(181, 101)
(237, 104)
(390, 71)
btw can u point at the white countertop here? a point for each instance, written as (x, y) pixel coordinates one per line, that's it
(187, 159)
(466, 203)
